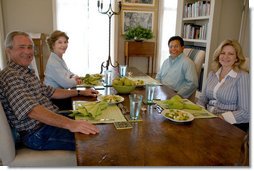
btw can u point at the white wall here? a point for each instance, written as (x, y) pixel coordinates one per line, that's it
(28, 15)
(33, 16)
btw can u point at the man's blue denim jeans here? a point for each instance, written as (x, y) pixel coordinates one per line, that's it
(50, 138)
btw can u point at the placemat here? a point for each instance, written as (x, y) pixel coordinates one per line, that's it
(146, 79)
(110, 115)
(196, 113)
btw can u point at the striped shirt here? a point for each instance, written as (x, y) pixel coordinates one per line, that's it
(180, 74)
(229, 97)
(20, 92)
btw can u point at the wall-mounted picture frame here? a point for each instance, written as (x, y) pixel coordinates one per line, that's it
(139, 2)
(137, 18)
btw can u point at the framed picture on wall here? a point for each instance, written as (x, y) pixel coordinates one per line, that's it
(139, 2)
(137, 18)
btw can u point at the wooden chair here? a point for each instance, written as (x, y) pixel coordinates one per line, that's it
(10, 156)
(140, 49)
(39, 43)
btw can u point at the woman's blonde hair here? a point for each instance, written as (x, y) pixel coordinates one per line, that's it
(238, 65)
(54, 36)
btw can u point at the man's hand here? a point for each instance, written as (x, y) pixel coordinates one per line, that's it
(89, 92)
(83, 127)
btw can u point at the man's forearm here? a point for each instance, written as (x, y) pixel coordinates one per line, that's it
(63, 93)
(48, 117)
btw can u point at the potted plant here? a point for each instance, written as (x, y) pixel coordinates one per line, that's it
(138, 33)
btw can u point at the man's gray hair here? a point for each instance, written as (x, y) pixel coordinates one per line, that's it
(11, 35)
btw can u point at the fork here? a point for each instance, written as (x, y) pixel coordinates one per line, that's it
(123, 108)
(158, 108)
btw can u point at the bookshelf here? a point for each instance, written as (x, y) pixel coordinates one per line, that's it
(203, 24)
(195, 21)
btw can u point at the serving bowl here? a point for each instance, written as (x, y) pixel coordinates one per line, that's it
(123, 89)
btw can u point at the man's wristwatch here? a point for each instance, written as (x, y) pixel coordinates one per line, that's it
(78, 92)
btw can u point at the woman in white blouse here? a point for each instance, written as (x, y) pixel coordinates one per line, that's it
(57, 73)
(228, 85)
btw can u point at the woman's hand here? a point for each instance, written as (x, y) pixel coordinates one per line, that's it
(77, 79)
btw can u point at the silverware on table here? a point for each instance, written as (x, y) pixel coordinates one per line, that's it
(123, 108)
(158, 108)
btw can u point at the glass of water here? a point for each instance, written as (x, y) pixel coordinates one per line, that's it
(135, 106)
(108, 78)
(122, 70)
(150, 88)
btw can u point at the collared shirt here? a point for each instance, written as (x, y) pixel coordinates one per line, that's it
(229, 97)
(20, 92)
(180, 74)
(57, 73)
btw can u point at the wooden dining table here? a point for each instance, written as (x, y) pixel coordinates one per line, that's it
(157, 141)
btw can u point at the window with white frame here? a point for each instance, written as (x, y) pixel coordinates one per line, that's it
(88, 34)
(168, 25)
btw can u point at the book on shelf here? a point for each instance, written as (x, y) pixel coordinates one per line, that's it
(197, 9)
(194, 31)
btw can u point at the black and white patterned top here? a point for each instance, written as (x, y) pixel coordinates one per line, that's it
(20, 92)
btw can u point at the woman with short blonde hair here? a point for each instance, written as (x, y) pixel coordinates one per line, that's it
(238, 65)
(226, 92)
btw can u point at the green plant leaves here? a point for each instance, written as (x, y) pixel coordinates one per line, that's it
(138, 33)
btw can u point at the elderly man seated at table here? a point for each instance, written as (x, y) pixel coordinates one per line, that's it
(26, 101)
(178, 71)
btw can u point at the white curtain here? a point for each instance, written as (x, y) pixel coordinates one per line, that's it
(167, 25)
(2, 56)
(88, 34)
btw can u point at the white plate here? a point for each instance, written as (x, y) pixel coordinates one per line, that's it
(111, 99)
(176, 112)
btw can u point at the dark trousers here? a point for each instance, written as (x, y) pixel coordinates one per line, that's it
(243, 126)
(63, 104)
(50, 138)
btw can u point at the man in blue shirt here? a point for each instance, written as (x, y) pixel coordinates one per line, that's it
(178, 71)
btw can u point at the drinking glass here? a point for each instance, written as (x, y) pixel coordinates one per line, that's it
(135, 106)
(107, 91)
(150, 88)
(108, 78)
(122, 70)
